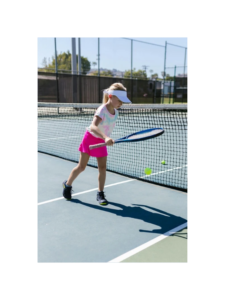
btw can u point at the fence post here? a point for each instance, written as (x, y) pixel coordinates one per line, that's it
(79, 71)
(185, 59)
(131, 71)
(131, 68)
(174, 80)
(74, 70)
(74, 56)
(164, 70)
(56, 73)
(99, 93)
(79, 57)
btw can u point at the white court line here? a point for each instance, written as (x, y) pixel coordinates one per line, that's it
(58, 138)
(48, 201)
(59, 121)
(63, 137)
(148, 244)
(60, 198)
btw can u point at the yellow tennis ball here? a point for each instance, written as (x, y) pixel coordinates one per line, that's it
(163, 162)
(148, 171)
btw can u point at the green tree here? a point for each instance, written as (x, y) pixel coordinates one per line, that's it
(141, 74)
(44, 62)
(155, 76)
(168, 77)
(107, 73)
(64, 62)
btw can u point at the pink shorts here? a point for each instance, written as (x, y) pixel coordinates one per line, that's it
(89, 140)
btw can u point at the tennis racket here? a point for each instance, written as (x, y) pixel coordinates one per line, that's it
(135, 137)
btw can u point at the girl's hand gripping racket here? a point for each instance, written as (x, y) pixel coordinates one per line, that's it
(135, 137)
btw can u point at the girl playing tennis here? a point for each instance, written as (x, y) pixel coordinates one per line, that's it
(99, 132)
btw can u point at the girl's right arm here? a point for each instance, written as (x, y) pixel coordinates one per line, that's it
(94, 128)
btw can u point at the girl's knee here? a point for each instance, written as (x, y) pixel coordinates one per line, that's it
(102, 169)
(81, 167)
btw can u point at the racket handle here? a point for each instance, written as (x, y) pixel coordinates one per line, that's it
(97, 146)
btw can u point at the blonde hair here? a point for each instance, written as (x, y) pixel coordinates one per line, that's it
(114, 86)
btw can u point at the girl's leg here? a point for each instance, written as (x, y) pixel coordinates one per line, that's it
(84, 157)
(102, 172)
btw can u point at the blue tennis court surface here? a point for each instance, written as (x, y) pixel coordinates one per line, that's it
(81, 230)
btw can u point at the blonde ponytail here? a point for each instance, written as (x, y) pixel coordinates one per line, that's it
(105, 97)
(115, 86)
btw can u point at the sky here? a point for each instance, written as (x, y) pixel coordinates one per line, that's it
(115, 53)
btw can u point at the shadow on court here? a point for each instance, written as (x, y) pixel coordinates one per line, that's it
(158, 217)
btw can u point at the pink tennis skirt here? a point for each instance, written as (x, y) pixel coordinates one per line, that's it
(89, 140)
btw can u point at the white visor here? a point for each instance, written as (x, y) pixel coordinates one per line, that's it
(122, 95)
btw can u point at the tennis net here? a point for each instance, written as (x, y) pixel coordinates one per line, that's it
(61, 128)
